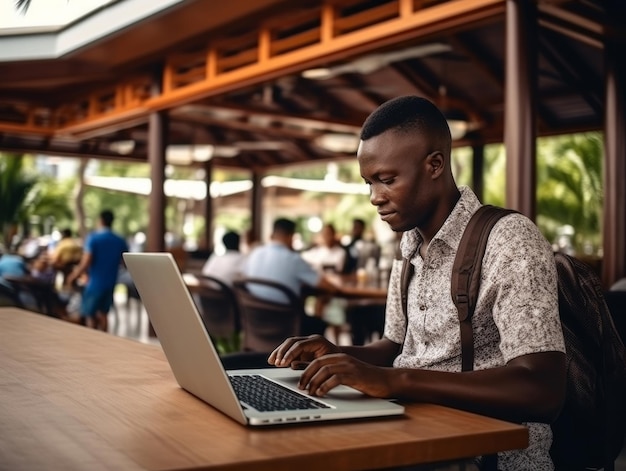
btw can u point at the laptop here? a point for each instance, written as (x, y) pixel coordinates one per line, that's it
(197, 367)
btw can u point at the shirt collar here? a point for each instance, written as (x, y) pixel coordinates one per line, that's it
(452, 229)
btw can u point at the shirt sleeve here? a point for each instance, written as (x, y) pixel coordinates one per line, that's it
(519, 275)
(395, 321)
(306, 273)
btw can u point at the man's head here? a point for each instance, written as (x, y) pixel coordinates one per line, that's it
(283, 231)
(411, 115)
(106, 218)
(358, 228)
(404, 156)
(329, 235)
(66, 233)
(231, 240)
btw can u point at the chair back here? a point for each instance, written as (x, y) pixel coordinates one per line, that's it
(265, 323)
(36, 295)
(9, 298)
(218, 307)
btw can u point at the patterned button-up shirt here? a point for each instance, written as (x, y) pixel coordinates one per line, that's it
(516, 311)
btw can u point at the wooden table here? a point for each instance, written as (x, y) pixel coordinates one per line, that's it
(353, 287)
(348, 285)
(72, 398)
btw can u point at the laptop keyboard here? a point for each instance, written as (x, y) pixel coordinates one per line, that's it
(267, 396)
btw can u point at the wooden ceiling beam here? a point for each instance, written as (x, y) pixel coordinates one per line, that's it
(421, 23)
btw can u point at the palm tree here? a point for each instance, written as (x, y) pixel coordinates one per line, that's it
(22, 5)
(570, 189)
(15, 189)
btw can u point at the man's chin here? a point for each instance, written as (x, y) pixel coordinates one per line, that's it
(398, 226)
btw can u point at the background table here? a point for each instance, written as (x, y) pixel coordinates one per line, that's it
(72, 398)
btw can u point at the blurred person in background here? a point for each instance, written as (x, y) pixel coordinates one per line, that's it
(101, 260)
(225, 266)
(328, 256)
(12, 264)
(66, 254)
(361, 250)
(277, 261)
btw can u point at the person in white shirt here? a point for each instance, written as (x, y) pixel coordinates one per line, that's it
(227, 266)
(328, 254)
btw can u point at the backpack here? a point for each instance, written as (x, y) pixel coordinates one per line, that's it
(589, 431)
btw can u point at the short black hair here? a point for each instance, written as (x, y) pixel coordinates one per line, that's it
(65, 233)
(231, 240)
(106, 216)
(284, 226)
(409, 113)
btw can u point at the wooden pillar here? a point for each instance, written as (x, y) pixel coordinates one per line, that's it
(614, 217)
(257, 205)
(478, 167)
(520, 106)
(158, 131)
(157, 145)
(208, 208)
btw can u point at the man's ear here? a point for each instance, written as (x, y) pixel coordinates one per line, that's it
(435, 163)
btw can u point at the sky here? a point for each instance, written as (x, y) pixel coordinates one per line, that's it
(45, 12)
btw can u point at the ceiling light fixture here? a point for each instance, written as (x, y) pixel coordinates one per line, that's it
(123, 147)
(186, 154)
(457, 122)
(457, 119)
(373, 62)
(338, 142)
(259, 145)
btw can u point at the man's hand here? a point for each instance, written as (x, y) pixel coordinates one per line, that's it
(326, 367)
(330, 371)
(295, 351)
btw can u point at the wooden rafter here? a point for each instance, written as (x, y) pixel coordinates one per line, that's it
(232, 63)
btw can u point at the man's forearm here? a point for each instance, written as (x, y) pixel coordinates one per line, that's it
(380, 353)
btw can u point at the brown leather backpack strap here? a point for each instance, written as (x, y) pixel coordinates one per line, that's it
(405, 279)
(466, 272)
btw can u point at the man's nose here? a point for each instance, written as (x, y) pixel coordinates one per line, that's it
(375, 195)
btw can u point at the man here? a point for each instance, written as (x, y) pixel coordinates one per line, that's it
(101, 260)
(277, 261)
(360, 250)
(67, 253)
(225, 266)
(327, 254)
(12, 264)
(519, 368)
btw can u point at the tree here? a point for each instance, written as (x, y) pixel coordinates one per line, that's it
(15, 189)
(570, 187)
(22, 5)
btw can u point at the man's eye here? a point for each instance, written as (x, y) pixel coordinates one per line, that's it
(387, 181)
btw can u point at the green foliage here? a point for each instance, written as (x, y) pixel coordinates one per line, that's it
(462, 165)
(495, 175)
(50, 200)
(570, 187)
(16, 188)
(131, 211)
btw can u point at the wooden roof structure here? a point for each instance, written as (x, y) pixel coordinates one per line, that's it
(260, 84)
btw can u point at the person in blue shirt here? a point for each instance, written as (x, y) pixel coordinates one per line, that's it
(101, 260)
(277, 261)
(12, 264)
